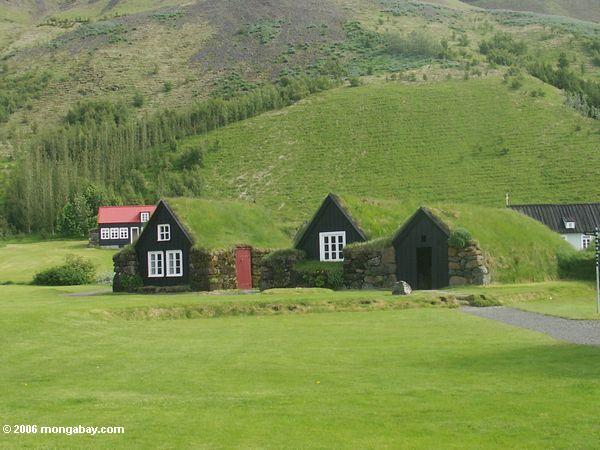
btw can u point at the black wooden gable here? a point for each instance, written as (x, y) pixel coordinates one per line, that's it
(422, 213)
(331, 216)
(180, 239)
(164, 215)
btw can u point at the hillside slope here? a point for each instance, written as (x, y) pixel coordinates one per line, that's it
(463, 141)
(578, 9)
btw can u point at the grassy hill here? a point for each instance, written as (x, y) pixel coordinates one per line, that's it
(578, 9)
(461, 141)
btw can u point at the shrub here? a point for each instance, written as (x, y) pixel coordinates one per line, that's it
(167, 86)
(355, 82)
(138, 99)
(459, 238)
(321, 274)
(577, 265)
(75, 271)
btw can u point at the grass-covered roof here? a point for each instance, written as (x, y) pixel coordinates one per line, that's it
(226, 223)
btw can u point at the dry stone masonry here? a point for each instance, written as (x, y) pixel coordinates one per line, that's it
(468, 265)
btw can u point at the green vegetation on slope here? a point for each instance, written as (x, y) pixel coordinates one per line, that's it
(420, 378)
(223, 224)
(455, 141)
(579, 9)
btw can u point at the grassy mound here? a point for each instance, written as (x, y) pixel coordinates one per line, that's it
(221, 224)
(455, 141)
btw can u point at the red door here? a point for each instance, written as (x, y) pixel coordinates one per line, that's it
(243, 267)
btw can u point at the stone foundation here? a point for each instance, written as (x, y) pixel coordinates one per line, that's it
(94, 238)
(468, 265)
(368, 268)
(127, 274)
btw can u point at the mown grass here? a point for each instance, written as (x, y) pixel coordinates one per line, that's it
(419, 378)
(20, 261)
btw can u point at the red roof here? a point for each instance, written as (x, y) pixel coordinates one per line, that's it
(123, 214)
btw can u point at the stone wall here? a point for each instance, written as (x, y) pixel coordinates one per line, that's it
(94, 236)
(368, 268)
(277, 271)
(127, 276)
(468, 265)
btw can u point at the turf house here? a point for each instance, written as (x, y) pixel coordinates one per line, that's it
(202, 245)
(428, 247)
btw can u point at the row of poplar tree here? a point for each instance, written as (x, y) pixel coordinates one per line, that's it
(66, 172)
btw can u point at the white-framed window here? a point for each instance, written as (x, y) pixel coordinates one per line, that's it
(586, 241)
(144, 217)
(331, 245)
(123, 233)
(164, 232)
(174, 263)
(114, 233)
(155, 264)
(104, 233)
(569, 224)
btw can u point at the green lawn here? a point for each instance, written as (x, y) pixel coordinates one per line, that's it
(20, 261)
(426, 377)
(572, 300)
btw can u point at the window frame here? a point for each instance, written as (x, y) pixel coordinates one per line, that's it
(114, 233)
(162, 264)
(124, 233)
(168, 254)
(586, 241)
(105, 233)
(145, 215)
(569, 225)
(323, 236)
(163, 229)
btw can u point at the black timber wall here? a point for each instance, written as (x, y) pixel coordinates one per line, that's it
(330, 219)
(148, 242)
(422, 231)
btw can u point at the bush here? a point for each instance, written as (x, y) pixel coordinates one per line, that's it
(75, 271)
(138, 99)
(459, 238)
(355, 82)
(577, 265)
(318, 274)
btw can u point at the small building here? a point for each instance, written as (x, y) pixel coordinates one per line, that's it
(200, 245)
(163, 249)
(421, 248)
(571, 221)
(331, 228)
(121, 225)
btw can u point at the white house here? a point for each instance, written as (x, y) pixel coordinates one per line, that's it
(570, 221)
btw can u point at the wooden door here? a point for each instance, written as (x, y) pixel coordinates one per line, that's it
(243, 267)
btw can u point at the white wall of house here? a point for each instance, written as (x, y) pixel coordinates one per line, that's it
(575, 239)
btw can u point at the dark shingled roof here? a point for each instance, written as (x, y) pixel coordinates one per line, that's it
(585, 215)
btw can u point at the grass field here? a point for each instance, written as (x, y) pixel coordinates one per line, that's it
(417, 378)
(456, 141)
(20, 261)
(579, 9)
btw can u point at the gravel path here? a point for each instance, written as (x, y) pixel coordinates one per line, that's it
(586, 332)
